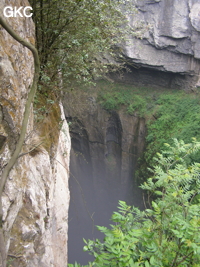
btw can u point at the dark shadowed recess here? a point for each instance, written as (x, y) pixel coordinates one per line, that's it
(148, 76)
(100, 176)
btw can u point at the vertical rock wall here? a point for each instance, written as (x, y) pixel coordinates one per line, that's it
(170, 43)
(105, 149)
(36, 195)
(105, 145)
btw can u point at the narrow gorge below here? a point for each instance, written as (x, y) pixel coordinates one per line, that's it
(118, 89)
(104, 153)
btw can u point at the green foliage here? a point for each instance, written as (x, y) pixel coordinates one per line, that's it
(79, 37)
(177, 114)
(165, 234)
(169, 114)
(113, 96)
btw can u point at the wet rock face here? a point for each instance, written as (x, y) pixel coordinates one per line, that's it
(171, 42)
(36, 195)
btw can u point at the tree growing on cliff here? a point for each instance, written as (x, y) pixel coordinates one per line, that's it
(78, 38)
(167, 233)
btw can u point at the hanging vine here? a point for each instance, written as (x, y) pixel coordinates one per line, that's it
(20, 141)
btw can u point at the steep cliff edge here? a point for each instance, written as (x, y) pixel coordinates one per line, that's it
(105, 149)
(36, 195)
(105, 144)
(169, 52)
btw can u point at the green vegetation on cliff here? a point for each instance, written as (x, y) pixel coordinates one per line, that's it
(168, 113)
(165, 234)
(177, 114)
(77, 39)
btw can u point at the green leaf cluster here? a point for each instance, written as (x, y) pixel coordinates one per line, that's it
(113, 96)
(176, 115)
(167, 232)
(168, 113)
(78, 38)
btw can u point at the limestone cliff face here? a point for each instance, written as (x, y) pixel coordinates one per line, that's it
(36, 195)
(169, 52)
(105, 145)
(105, 149)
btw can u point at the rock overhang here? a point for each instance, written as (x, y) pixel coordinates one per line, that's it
(171, 38)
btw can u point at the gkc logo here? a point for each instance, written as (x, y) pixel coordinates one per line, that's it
(14, 11)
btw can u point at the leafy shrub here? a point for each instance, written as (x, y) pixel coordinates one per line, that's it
(139, 104)
(114, 96)
(168, 113)
(177, 115)
(165, 234)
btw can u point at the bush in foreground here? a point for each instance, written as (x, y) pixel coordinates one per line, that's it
(165, 234)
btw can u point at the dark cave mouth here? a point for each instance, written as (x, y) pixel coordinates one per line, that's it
(150, 77)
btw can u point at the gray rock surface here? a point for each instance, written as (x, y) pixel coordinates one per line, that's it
(36, 195)
(105, 149)
(171, 40)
